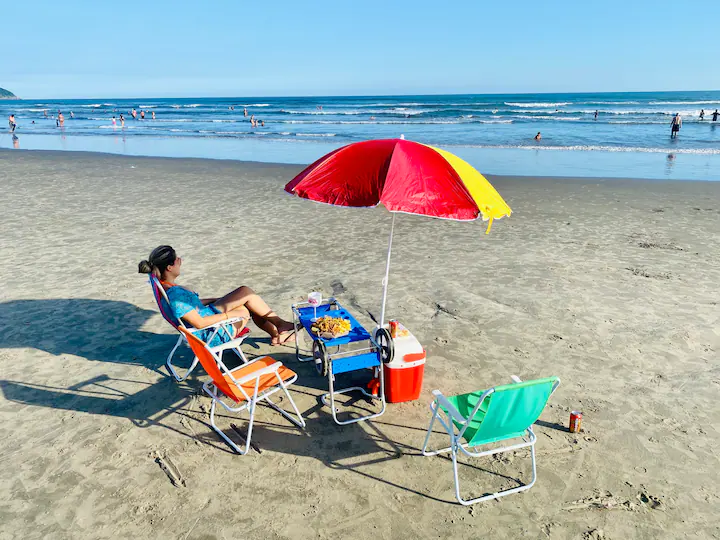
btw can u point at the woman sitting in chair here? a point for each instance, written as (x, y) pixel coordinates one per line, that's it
(201, 313)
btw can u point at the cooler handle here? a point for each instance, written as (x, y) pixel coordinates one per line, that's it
(414, 357)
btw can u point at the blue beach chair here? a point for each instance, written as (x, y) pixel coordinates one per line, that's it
(223, 329)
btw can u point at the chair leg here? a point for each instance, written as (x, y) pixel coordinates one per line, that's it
(171, 368)
(225, 437)
(425, 452)
(298, 420)
(498, 494)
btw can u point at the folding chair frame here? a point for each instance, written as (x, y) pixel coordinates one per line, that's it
(251, 401)
(220, 327)
(528, 439)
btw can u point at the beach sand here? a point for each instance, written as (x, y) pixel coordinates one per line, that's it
(610, 285)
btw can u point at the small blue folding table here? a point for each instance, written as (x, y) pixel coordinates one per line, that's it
(377, 350)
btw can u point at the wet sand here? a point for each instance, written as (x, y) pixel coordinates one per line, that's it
(609, 284)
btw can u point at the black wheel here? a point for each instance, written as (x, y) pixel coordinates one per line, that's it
(385, 344)
(321, 359)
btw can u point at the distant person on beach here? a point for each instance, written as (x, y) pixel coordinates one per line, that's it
(60, 119)
(133, 113)
(45, 112)
(72, 115)
(187, 305)
(245, 111)
(596, 115)
(153, 115)
(702, 114)
(142, 115)
(675, 125)
(715, 115)
(11, 123)
(16, 141)
(262, 123)
(538, 136)
(114, 122)
(122, 120)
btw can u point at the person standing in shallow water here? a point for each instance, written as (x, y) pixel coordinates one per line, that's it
(702, 114)
(715, 115)
(538, 136)
(187, 305)
(675, 125)
(11, 123)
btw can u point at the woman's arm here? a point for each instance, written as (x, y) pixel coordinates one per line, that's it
(206, 301)
(200, 322)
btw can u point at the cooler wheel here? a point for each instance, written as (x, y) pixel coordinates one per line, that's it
(385, 344)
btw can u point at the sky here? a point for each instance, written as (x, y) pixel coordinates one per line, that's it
(188, 48)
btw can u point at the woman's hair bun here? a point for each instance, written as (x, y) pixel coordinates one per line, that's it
(145, 267)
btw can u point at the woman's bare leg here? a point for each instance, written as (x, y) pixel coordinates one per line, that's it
(264, 317)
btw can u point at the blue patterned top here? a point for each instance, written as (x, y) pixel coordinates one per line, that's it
(183, 301)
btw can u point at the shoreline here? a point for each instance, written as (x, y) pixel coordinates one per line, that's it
(489, 161)
(47, 154)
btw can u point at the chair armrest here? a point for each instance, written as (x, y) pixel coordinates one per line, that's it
(274, 367)
(229, 344)
(452, 411)
(515, 378)
(226, 321)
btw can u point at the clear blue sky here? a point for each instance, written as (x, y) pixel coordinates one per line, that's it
(157, 48)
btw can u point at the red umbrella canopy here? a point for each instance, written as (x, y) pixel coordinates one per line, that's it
(404, 176)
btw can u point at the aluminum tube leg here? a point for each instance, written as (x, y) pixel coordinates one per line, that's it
(387, 272)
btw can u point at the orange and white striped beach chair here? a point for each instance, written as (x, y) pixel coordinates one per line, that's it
(224, 328)
(245, 385)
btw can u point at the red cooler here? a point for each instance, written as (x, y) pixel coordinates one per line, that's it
(404, 374)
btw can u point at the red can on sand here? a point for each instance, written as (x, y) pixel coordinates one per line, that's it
(575, 421)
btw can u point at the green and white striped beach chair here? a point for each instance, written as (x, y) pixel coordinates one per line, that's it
(501, 413)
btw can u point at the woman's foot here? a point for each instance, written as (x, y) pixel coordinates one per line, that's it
(285, 335)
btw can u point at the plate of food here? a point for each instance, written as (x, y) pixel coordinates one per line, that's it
(329, 327)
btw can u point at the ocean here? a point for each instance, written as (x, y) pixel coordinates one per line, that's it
(629, 123)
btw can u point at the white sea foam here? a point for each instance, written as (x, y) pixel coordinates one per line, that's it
(147, 106)
(716, 102)
(256, 105)
(540, 104)
(93, 105)
(599, 148)
(316, 134)
(192, 105)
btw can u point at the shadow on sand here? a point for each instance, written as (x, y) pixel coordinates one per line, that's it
(110, 331)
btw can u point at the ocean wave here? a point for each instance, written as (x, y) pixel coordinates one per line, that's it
(716, 102)
(316, 134)
(192, 106)
(595, 148)
(147, 106)
(92, 105)
(255, 105)
(538, 104)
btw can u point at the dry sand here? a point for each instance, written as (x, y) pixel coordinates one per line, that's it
(610, 285)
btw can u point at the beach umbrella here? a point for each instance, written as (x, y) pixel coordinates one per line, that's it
(403, 176)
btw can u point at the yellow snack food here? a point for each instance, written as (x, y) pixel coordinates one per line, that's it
(328, 326)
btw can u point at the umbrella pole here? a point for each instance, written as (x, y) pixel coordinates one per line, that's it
(387, 272)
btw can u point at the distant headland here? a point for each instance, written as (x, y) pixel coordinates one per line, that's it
(6, 94)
